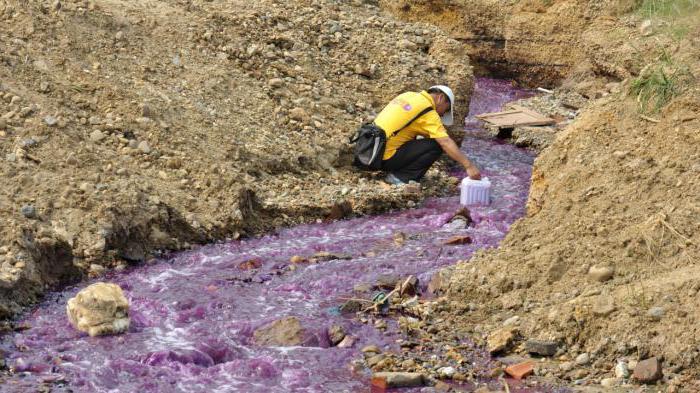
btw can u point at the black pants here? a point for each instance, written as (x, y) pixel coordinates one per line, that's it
(413, 159)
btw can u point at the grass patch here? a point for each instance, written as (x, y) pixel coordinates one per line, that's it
(659, 83)
(666, 8)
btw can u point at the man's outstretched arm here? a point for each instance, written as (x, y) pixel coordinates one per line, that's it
(450, 148)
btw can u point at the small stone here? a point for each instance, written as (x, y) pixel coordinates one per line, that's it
(85, 187)
(285, 332)
(601, 273)
(336, 334)
(656, 313)
(621, 370)
(144, 147)
(350, 306)
(97, 136)
(119, 36)
(28, 143)
(298, 259)
(648, 371)
(370, 349)
(347, 342)
(566, 366)
(583, 359)
(609, 382)
(299, 114)
(96, 270)
(374, 360)
(501, 339)
(275, 82)
(512, 321)
(28, 211)
(50, 121)
(447, 372)
(646, 28)
(541, 347)
(408, 364)
(604, 306)
(399, 379)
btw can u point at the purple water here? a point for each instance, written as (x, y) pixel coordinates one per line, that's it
(194, 314)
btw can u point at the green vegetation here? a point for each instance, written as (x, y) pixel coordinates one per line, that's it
(666, 8)
(659, 83)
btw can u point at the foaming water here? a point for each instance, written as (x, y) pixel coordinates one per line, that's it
(194, 314)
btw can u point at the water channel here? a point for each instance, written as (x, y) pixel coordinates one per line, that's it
(194, 313)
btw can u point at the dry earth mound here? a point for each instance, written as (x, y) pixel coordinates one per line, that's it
(603, 268)
(129, 126)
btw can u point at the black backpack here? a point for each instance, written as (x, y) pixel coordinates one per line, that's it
(370, 143)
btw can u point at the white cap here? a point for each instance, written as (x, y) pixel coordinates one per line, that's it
(448, 118)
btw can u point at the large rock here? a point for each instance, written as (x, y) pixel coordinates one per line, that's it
(99, 309)
(648, 371)
(285, 332)
(501, 340)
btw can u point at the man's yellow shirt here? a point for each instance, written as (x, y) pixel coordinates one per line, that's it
(400, 111)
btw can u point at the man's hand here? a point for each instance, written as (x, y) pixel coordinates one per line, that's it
(450, 147)
(473, 172)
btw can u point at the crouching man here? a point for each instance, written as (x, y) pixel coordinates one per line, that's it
(414, 126)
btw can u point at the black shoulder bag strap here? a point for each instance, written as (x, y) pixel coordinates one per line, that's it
(423, 112)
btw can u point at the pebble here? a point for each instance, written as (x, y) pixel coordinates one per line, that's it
(97, 136)
(374, 360)
(275, 82)
(656, 313)
(144, 147)
(601, 273)
(371, 349)
(28, 211)
(604, 306)
(514, 320)
(566, 366)
(336, 334)
(96, 270)
(400, 380)
(347, 342)
(29, 142)
(583, 359)
(621, 370)
(447, 372)
(648, 371)
(50, 121)
(541, 347)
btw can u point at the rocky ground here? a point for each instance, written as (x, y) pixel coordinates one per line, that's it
(131, 127)
(128, 128)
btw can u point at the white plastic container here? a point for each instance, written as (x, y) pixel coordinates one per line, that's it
(475, 192)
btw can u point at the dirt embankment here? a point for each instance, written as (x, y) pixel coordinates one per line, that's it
(604, 264)
(130, 127)
(537, 42)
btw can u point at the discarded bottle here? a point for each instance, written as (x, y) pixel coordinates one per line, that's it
(475, 192)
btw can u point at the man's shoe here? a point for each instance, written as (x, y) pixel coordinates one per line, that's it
(393, 180)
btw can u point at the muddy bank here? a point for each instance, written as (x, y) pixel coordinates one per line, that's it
(129, 128)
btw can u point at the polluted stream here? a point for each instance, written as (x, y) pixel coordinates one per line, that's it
(194, 313)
